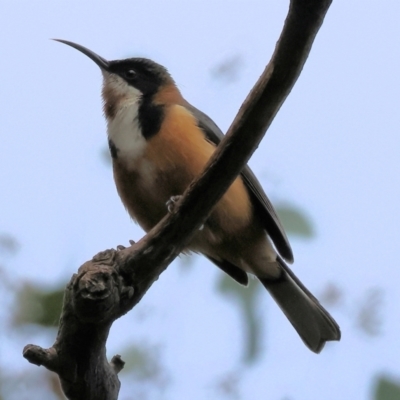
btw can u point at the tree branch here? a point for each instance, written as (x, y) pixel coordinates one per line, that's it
(114, 281)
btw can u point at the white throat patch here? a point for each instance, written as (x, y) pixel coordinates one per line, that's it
(124, 129)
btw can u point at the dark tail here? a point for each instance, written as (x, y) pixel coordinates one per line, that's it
(311, 321)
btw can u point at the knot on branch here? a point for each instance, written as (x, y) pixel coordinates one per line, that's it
(98, 293)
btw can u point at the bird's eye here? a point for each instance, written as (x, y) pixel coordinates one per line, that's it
(130, 73)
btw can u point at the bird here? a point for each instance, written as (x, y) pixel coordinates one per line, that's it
(159, 143)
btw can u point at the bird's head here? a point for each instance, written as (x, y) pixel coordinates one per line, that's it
(128, 81)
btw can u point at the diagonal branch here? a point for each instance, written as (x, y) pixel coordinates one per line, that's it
(114, 281)
(256, 114)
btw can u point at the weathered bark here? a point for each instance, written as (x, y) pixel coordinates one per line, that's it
(114, 281)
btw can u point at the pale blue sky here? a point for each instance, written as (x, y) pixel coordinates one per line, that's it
(333, 151)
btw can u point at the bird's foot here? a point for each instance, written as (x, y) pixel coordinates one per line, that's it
(121, 247)
(172, 203)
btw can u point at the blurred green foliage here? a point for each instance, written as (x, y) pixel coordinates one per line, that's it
(144, 370)
(369, 317)
(246, 298)
(8, 244)
(228, 70)
(141, 360)
(295, 221)
(387, 389)
(38, 305)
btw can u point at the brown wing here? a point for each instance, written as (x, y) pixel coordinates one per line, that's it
(270, 219)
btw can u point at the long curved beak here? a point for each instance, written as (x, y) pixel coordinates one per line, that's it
(100, 61)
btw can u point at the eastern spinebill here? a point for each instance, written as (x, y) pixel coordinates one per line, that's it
(159, 143)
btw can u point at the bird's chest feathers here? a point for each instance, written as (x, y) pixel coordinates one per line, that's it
(152, 161)
(127, 144)
(142, 165)
(149, 171)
